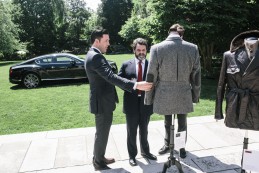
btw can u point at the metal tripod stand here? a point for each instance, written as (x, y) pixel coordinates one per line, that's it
(245, 146)
(171, 159)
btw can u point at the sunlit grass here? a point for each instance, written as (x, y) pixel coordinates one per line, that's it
(66, 105)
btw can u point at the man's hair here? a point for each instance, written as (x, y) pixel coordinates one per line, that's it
(177, 28)
(139, 41)
(98, 34)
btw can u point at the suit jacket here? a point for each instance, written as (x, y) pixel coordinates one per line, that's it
(103, 94)
(175, 66)
(130, 100)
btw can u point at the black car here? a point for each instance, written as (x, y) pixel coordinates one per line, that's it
(56, 66)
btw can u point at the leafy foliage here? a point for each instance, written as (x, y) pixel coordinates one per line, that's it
(9, 31)
(77, 15)
(52, 25)
(112, 15)
(208, 23)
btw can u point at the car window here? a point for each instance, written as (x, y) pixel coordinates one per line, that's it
(43, 60)
(63, 59)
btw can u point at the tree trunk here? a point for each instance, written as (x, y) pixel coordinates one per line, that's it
(206, 51)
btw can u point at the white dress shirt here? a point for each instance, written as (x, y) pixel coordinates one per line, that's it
(142, 64)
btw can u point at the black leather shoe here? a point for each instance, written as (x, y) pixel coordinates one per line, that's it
(183, 153)
(164, 149)
(108, 160)
(133, 162)
(99, 167)
(149, 156)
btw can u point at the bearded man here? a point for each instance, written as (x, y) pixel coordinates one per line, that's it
(137, 114)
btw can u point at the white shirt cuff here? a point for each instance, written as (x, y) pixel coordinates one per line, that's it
(135, 86)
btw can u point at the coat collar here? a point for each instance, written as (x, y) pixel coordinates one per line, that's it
(171, 38)
(238, 41)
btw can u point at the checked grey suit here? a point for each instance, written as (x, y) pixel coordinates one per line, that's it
(103, 97)
(175, 65)
(137, 114)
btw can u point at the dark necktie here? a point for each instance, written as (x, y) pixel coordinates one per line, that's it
(139, 75)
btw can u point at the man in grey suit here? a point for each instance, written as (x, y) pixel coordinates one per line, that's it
(137, 114)
(103, 96)
(175, 69)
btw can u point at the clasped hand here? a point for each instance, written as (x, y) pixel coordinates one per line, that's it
(144, 86)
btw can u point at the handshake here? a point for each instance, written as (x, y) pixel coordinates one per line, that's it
(144, 86)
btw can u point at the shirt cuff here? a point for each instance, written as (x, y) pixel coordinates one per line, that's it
(135, 86)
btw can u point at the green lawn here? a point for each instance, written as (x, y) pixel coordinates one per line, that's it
(65, 105)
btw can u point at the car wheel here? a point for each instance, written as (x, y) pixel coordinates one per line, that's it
(31, 80)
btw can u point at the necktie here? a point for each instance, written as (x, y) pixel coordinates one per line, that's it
(139, 74)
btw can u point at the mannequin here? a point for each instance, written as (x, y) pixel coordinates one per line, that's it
(251, 44)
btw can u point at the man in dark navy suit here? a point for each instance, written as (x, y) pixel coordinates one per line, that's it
(137, 114)
(103, 96)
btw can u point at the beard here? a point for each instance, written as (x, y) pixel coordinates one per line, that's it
(141, 56)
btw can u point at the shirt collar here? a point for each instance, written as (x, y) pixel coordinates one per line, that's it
(137, 60)
(96, 49)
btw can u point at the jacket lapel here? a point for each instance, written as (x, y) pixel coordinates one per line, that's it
(133, 67)
(254, 63)
(145, 70)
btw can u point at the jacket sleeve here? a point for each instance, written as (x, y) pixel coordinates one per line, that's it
(221, 90)
(121, 72)
(102, 67)
(152, 70)
(195, 78)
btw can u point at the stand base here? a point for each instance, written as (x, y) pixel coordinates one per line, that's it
(172, 161)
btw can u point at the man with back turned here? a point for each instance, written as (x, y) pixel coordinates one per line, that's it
(175, 69)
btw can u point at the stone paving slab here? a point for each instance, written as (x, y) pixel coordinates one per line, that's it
(201, 133)
(71, 150)
(41, 155)
(12, 155)
(22, 137)
(70, 132)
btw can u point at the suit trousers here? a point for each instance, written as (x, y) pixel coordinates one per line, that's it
(182, 126)
(141, 120)
(103, 124)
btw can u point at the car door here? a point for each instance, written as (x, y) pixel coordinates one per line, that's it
(61, 67)
(44, 67)
(77, 69)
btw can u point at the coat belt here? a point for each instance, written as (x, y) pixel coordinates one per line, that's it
(244, 99)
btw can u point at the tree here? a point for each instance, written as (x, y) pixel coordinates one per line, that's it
(208, 23)
(132, 28)
(38, 23)
(77, 17)
(9, 31)
(112, 15)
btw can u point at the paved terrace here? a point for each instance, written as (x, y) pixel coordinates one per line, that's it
(211, 147)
